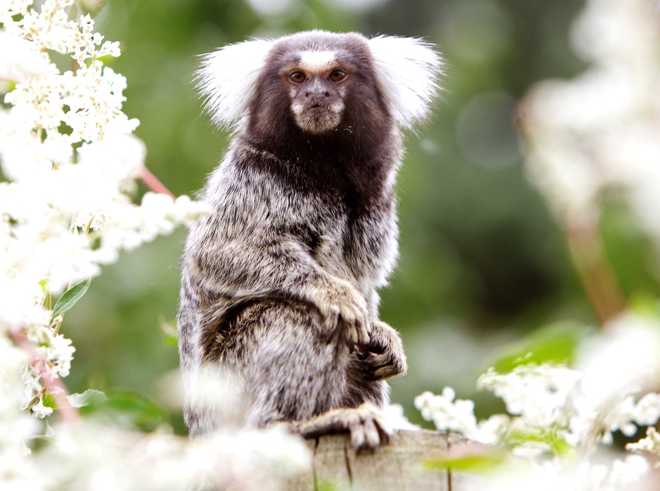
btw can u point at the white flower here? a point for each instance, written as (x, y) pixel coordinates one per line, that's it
(627, 471)
(19, 59)
(396, 419)
(601, 472)
(71, 159)
(187, 210)
(17, 428)
(11, 8)
(448, 413)
(551, 408)
(650, 443)
(93, 456)
(604, 401)
(41, 411)
(647, 410)
(598, 131)
(538, 394)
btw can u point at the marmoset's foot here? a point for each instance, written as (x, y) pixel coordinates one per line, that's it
(365, 424)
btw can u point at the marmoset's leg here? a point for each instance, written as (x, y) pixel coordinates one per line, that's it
(294, 373)
(292, 367)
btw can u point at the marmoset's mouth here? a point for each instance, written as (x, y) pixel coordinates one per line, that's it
(317, 117)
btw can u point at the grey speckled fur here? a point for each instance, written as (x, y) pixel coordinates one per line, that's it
(279, 283)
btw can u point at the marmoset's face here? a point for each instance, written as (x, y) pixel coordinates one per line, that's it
(317, 82)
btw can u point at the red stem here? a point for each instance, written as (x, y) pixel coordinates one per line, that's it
(153, 183)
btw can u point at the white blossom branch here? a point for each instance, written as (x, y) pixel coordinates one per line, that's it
(52, 383)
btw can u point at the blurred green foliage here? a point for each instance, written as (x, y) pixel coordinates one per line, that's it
(482, 262)
(554, 344)
(485, 461)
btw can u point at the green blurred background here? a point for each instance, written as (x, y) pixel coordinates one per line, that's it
(482, 261)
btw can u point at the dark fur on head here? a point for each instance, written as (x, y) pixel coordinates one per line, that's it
(366, 120)
(364, 134)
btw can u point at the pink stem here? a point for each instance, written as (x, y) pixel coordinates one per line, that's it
(53, 384)
(153, 183)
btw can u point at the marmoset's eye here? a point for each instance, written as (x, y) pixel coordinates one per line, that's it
(297, 76)
(338, 75)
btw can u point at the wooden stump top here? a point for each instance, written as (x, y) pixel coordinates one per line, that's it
(394, 467)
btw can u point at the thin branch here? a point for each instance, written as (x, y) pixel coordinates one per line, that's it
(153, 183)
(596, 275)
(52, 383)
(584, 242)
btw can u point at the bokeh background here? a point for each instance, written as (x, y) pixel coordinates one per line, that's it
(482, 263)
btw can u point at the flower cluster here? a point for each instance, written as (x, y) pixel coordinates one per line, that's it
(555, 412)
(649, 444)
(16, 426)
(108, 458)
(598, 132)
(602, 474)
(68, 152)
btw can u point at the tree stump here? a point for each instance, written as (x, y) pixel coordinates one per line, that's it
(398, 466)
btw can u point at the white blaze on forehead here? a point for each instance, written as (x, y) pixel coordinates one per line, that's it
(317, 61)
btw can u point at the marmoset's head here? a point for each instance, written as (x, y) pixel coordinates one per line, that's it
(320, 83)
(316, 83)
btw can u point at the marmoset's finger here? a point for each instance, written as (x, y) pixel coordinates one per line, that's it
(364, 336)
(371, 434)
(331, 320)
(358, 437)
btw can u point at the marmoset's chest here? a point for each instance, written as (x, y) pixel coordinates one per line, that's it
(347, 227)
(351, 239)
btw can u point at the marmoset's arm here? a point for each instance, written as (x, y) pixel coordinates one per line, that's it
(266, 264)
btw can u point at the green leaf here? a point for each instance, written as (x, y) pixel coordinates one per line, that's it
(125, 407)
(49, 400)
(91, 7)
(106, 60)
(478, 462)
(171, 340)
(331, 486)
(555, 344)
(89, 398)
(646, 305)
(170, 333)
(550, 437)
(70, 297)
(327, 486)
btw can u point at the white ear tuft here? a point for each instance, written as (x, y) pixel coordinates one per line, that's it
(408, 71)
(227, 79)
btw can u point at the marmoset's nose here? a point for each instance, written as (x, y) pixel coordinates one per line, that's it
(319, 92)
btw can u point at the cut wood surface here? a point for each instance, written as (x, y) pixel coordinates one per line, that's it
(397, 466)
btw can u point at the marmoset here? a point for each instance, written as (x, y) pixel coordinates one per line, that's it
(279, 282)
